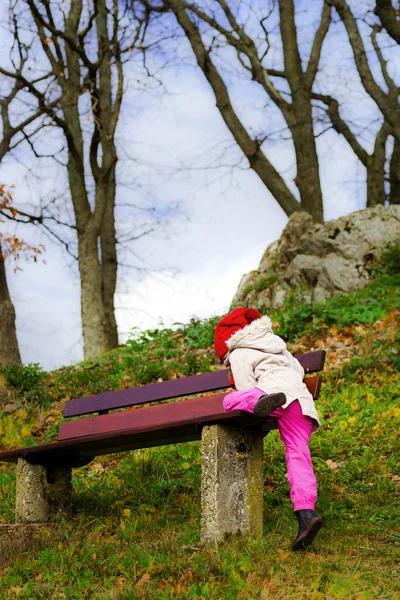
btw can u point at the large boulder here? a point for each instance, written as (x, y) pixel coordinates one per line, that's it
(318, 261)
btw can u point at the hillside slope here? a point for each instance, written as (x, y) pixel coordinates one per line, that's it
(135, 529)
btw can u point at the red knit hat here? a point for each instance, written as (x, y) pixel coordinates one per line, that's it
(237, 319)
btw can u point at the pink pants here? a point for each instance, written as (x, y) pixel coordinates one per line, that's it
(295, 430)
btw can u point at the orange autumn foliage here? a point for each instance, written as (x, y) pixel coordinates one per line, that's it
(12, 246)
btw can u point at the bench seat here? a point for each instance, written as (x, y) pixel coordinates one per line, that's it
(156, 426)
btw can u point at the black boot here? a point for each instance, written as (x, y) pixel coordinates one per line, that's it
(267, 404)
(309, 525)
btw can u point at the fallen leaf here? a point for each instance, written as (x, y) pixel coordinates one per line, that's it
(332, 465)
(143, 580)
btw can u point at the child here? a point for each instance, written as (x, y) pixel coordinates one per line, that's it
(269, 381)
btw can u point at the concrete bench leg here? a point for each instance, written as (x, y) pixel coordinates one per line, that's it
(42, 493)
(232, 483)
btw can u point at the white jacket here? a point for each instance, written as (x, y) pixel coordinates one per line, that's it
(258, 358)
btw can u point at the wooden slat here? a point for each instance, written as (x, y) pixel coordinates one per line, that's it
(161, 414)
(314, 385)
(312, 362)
(196, 384)
(175, 388)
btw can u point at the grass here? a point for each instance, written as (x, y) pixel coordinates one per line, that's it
(135, 527)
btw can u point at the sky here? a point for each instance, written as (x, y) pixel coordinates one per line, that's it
(224, 220)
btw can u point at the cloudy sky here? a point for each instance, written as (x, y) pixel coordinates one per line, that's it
(224, 219)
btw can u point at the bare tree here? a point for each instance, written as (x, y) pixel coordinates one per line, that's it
(68, 59)
(9, 350)
(384, 99)
(11, 247)
(210, 27)
(389, 17)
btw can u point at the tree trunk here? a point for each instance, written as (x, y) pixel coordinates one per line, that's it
(107, 113)
(376, 183)
(94, 323)
(9, 351)
(307, 177)
(95, 340)
(375, 165)
(109, 266)
(299, 115)
(394, 197)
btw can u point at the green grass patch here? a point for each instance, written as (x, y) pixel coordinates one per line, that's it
(360, 307)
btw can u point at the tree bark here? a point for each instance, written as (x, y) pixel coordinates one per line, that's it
(109, 269)
(95, 340)
(307, 178)
(92, 307)
(376, 181)
(108, 114)
(388, 15)
(299, 117)
(394, 174)
(375, 165)
(9, 351)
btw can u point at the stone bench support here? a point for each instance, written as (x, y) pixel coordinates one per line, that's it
(42, 492)
(232, 483)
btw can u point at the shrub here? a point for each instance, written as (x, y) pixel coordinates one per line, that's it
(390, 258)
(23, 377)
(265, 282)
(261, 284)
(200, 333)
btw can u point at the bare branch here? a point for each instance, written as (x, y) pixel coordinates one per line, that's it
(341, 127)
(313, 63)
(389, 17)
(383, 63)
(291, 53)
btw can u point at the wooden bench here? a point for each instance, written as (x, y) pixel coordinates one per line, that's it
(231, 446)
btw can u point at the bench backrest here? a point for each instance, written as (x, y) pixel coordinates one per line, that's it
(311, 362)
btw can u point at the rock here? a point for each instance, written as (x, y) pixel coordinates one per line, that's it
(339, 274)
(303, 268)
(280, 253)
(338, 346)
(316, 261)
